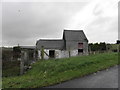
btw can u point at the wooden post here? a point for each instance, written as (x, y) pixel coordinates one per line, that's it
(89, 49)
(118, 47)
(42, 52)
(69, 51)
(46, 54)
(36, 54)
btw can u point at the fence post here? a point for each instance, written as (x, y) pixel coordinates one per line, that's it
(69, 51)
(42, 52)
(36, 54)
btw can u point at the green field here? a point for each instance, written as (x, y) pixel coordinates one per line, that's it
(50, 72)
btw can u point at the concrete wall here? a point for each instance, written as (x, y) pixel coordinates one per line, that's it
(59, 53)
(73, 45)
(26, 56)
(74, 52)
(65, 53)
(85, 48)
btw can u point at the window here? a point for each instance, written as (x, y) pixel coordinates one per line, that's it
(80, 45)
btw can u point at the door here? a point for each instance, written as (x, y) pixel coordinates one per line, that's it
(80, 48)
(52, 53)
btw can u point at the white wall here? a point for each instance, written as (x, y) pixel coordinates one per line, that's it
(58, 53)
(45, 56)
(74, 52)
(64, 54)
(39, 54)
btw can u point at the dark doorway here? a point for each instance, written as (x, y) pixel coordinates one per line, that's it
(80, 48)
(52, 53)
(80, 51)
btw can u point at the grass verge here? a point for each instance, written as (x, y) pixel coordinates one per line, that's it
(10, 68)
(49, 72)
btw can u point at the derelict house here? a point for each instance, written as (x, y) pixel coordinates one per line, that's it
(74, 43)
(26, 53)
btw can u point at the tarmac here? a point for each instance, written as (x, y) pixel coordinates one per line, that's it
(107, 78)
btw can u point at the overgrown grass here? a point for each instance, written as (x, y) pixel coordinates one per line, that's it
(10, 68)
(49, 72)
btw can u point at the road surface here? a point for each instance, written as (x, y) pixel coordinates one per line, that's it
(104, 79)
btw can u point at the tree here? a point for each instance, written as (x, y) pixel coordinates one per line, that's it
(102, 46)
(97, 46)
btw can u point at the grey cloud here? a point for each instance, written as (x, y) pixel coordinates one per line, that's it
(25, 22)
(97, 11)
(104, 29)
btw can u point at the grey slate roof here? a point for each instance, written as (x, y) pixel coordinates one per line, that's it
(75, 35)
(27, 47)
(70, 37)
(50, 44)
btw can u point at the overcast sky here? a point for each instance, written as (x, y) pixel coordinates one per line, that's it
(27, 22)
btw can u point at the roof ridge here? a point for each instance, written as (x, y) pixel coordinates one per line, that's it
(73, 30)
(51, 39)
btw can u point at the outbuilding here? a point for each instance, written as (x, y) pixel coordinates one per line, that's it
(73, 43)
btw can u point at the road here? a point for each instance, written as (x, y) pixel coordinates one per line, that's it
(104, 79)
